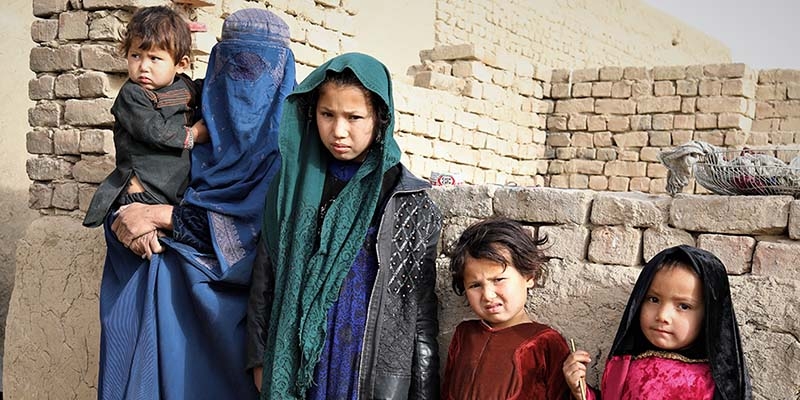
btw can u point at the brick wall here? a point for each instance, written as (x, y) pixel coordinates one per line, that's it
(492, 114)
(576, 33)
(599, 240)
(603, 127)
(79, 71)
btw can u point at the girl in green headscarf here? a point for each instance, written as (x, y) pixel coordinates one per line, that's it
(343, 301)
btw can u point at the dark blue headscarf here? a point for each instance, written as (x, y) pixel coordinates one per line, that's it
(249, 74)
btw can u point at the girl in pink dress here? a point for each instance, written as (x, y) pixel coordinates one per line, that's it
(678, 338)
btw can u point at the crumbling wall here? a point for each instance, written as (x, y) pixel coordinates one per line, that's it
(599, 240)
(576, 33)
(491, 114)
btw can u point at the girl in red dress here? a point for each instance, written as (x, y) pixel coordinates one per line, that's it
(503, 354)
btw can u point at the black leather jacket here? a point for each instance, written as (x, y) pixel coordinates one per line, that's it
(399, 358)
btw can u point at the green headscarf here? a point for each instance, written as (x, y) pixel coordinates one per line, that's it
(307, 281)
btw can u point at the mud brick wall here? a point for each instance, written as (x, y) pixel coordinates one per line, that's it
(598, 242)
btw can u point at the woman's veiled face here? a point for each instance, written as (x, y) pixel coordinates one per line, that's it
(345, 121)
(672, 312)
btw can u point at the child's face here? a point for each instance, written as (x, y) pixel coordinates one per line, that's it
(495, 294)
(154, 68)
(345, 121)
(672, 312)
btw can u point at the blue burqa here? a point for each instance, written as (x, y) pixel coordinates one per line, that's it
(174, 327)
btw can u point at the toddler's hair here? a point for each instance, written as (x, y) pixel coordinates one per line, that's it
(494, 239)
(347, 77)
(158, 27)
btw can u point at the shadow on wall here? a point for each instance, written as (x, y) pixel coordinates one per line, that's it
(17, 217)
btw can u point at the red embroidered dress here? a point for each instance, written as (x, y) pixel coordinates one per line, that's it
(519, 362)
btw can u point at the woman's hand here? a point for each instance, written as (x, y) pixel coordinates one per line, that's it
(136, 226)
(574, 369)
(147, 244)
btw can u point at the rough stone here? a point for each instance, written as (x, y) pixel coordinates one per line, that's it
(43, 8)
(721, 104)
(580, 288)
(39, 141)
(93, 84)
(51, 291)
(129, 4)
(93, 169)
(611, 73)
(777, 258)
(631, 139)
(63, 58)
(753, 215)
(464, 200)
(66, 141)
(630, 209)
(669, 73)
(637, 73)
(601, 89)
(109, 26)
(617, 245)
(543, 205)
(621, 89)
(736, 252)
(582, 89)
(615, 106)
(103, 57)
(769, 332)
(65, 195)
(650, 105)
(42, 88)
(565, 241)
(73, 25)
(664, 88)
(45, 113)
(662, 237)
(44, 30)
(96, 112)
(67, 86)
(47, 169)
(575, 106)
(794, 220)
(641, 122)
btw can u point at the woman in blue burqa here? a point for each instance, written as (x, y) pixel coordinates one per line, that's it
(173, 309)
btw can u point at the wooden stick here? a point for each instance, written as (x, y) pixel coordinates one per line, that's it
(581, 382)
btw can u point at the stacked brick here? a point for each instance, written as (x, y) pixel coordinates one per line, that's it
(475, 112)
(777, 118)
(79, 71)
(751, 235)
(597, 241)
(77, 74)
(570, 34)
(610, 123)
(488, 114)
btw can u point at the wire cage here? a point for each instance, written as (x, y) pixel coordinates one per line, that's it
(750, 172)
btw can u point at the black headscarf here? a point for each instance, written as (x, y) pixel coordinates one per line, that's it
(719, 339)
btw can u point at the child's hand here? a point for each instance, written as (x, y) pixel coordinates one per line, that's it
(257, 371)
(200, 132)
(574, 370)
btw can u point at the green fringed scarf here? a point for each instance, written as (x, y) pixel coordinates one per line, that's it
(307, 282)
